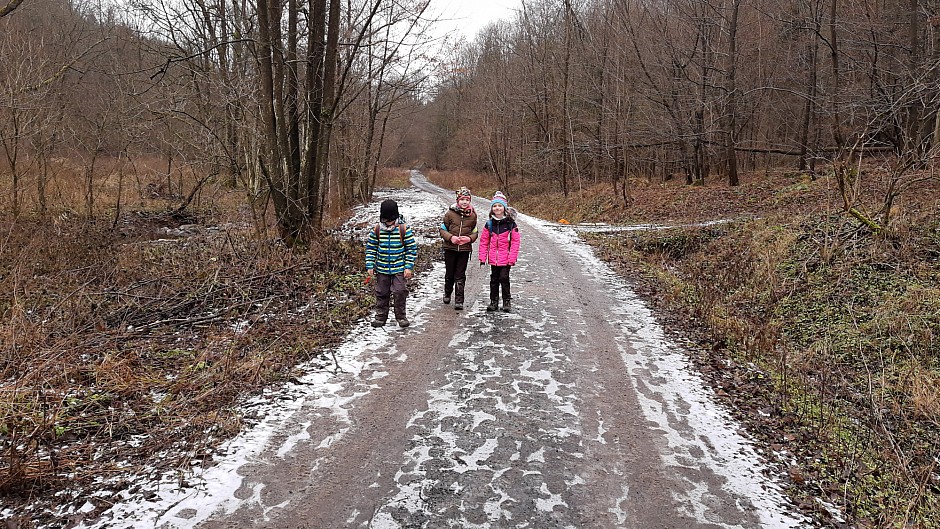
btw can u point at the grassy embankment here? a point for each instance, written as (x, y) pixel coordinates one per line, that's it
(823, 337)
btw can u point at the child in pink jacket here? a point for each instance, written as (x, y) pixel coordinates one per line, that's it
(499, 245)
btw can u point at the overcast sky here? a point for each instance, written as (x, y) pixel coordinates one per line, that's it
(469, 16)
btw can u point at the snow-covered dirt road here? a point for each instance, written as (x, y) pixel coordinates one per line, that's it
(572, 411)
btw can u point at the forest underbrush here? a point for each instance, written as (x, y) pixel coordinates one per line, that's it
(112, 340)
(127, 346)
(819, 334)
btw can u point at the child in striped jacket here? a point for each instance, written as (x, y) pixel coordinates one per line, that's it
(390, 258)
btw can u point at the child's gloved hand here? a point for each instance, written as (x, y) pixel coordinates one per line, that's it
(454, 239)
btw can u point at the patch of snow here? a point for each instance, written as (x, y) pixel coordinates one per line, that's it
(832, 510)
(548, 504)
(538, 455)
(421, 211)
(600, 430)
(617, 509)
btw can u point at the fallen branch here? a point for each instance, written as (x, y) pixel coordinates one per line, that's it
(872, 225)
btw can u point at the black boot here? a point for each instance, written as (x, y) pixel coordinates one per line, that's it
(505, 305)
(378, 322)
(447, 299)
(493, 306)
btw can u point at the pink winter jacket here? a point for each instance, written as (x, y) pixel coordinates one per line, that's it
(499, 242)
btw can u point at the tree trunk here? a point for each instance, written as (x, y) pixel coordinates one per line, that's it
(315, 63)
(810, 103)
(292, 112)
(837, 135)
(566, 65)
(914, 115)
(9, 7)
(272, 167)
(329, 106)
(731, 110)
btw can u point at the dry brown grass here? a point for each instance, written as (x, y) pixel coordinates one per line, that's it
(107, 339)
(839, 323)
(124, 340)
(393, 177)
(479, 184)
(139, 184)
(114, 325)
(925, 393)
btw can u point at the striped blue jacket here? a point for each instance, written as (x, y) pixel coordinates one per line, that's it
(387, 255)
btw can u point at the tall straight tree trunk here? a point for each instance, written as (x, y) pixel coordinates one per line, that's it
(810, 104)
(11, 150)
(915, 108)
(731, 110)
(834, 98)
(374, 95)
(565, 151)
(329, 108)
(700, 164)
(272, 168)
(315, 62)
(292, 87)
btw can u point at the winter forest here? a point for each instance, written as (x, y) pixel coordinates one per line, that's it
(304, 103)
(170, 170)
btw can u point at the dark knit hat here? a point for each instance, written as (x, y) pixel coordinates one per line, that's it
(388, 210)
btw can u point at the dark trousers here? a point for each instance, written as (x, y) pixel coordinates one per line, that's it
(387, 286)
(499, 277)
(455, 273)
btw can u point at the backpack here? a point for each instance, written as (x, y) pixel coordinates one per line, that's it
(401, 232)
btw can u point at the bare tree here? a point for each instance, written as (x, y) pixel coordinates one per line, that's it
(20, 114)
(34, 84)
